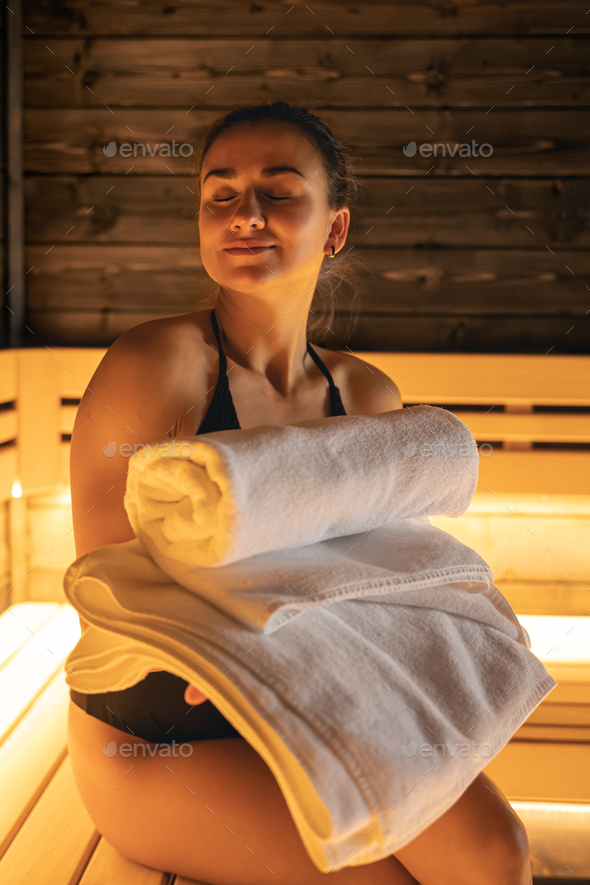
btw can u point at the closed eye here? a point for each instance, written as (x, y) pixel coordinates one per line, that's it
(225, 199)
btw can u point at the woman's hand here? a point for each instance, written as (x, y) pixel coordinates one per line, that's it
(193, 696)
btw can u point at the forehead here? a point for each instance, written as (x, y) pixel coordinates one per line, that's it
(264, 147)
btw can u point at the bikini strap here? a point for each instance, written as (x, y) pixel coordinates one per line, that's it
(336, 404)
(221, 414)
(223, 392)
(222, 359)
(316, 358)
(223, 362)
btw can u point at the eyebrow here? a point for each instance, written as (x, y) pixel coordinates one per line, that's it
(267, 172)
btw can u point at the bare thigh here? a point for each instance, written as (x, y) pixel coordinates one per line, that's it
(480, 840)
(217, 815)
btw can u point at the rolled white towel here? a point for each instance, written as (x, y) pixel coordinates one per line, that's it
(240, 493)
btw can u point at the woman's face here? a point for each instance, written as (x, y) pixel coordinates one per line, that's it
(245, 196)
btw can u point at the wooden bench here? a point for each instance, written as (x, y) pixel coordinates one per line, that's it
(45, 827)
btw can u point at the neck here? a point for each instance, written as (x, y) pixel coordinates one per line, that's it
(269, 339)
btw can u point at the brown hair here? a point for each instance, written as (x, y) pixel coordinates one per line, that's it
(343, 189)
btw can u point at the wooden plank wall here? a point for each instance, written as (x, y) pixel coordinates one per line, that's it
(482, 254)
(3, 310)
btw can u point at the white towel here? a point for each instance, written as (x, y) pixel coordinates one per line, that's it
(338, 660)
(238, 493)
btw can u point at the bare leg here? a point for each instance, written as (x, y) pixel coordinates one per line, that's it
(217, 815)
(480, 840)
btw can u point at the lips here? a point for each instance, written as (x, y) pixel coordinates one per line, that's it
(248, 250)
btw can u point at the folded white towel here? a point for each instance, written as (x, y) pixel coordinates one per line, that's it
(221, 497)
(338, 656)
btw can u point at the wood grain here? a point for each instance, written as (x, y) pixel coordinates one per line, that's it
(461, 253)
(463, 282)
(428, 211)
(181, 72)
(539, 142)
(378, 18)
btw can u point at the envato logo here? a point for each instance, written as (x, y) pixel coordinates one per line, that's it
(165, 149)
(164, 749)
(427, 450)
(428, 750)
(165, 450)
(464, 150)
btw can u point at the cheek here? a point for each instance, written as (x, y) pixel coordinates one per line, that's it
(211, 231)
(206, 219)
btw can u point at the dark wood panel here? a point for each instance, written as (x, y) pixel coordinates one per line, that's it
(436, 333)
(508, 334)
(90, 328)
(12, 112)
(4, 314)
(111, 209)
(468, 282)
(223, 17)
(180, 73)
(443, 211)
(461, 253)
(121, 277)
(463, 282)
(529, 143)
(4, 325)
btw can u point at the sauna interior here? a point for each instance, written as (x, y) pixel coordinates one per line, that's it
(478, 301)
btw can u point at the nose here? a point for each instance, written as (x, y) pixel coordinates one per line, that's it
(247, 213)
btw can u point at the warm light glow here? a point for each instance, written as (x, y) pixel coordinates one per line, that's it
(66, 498)
(558, 638)
(42, 655)
(553, 807)
(16, 489)
(519, 503)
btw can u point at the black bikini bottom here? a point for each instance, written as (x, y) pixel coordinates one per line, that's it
(155, 710)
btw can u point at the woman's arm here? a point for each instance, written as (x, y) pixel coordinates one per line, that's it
(135, 396)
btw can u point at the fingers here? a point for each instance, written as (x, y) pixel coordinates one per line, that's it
(193, 696)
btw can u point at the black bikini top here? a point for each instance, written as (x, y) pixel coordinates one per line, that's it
(222, 415)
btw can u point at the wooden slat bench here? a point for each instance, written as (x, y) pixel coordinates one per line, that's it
(548, 758)
(46, 835)
(45, 829)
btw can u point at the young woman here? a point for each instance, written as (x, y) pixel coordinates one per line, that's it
(275, 190)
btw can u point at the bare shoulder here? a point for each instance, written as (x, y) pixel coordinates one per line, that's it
(149, 378)
(365, 389)
(162, 339)
(146, 381)
(160, 353)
